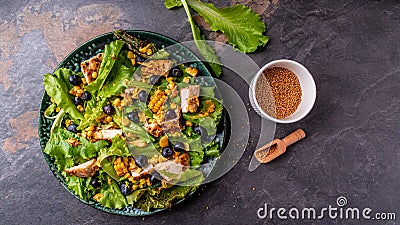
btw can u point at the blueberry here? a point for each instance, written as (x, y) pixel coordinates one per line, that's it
(95, 182)
(167, 152)
(75, 79)
(73, 128)
(125, 190)
(154, 179)
(155, 79)
(179, 146)
(140, 58)
(143, 96)
(170, 114)
(133, 116)
(175, 72)
(200, 130)
(108, 109)
(78, 101)
(86, 96)
(141, 161)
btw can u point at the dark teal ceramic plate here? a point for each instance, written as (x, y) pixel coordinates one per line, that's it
(72, 61)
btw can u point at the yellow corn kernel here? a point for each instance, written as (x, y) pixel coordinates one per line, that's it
(131, 179)
(130, 55)
(133, 61)
(98, 196)
(117, 102)
(90, 133)
(94, 75)
(143, 50)
(117, 160)
(91, 128)
(192, 71)
(139, 170)
(125, 161)
(142, 181)
(79, 92)
(80, 108)
(186, 80)
(83, 81)
(68, 122)
(109, 119)
(188, 123)
(76, 88)
(127, 175)
(163, 142)
(121, 165)
(134, 187)
(171, 85)
(149, 51)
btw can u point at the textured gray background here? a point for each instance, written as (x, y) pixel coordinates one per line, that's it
(352, 148)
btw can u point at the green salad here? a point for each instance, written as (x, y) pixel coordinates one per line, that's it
(133, 127)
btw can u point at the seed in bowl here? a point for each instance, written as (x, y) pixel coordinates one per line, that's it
(284, 86)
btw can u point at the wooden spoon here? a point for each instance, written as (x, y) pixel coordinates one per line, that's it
(277, 147)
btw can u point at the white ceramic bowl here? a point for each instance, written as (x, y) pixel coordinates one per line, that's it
(308, 89)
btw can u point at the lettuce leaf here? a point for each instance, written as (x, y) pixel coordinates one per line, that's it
(64, 154)
(58, 90)
(204, 105)
(243, 28)
(110, 56)
(80, 186)
(116, 86)
(163, 199)
(118, 148)
(169, 4)
(112, 196)
(196, 157)
(212, 149)
(205, 50)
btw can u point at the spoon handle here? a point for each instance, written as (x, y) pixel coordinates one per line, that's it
(294, 137)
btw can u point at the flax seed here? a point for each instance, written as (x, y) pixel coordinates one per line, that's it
(278, 92)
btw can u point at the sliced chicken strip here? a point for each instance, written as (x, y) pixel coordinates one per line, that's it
(86, 169)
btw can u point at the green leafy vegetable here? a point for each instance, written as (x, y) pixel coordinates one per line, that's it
(49, 111)
(153, 200)
(111, 52)
(109, 169)
(116, 86)
(205, 50)
(58, 90)
(64, 154)
(212, 149)
(169, 4)
(209, 124)
(118, 148)
(112, 196)
(242, 27)
(196, 158)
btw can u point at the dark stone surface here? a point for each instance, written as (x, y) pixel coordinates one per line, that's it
(350, 47)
